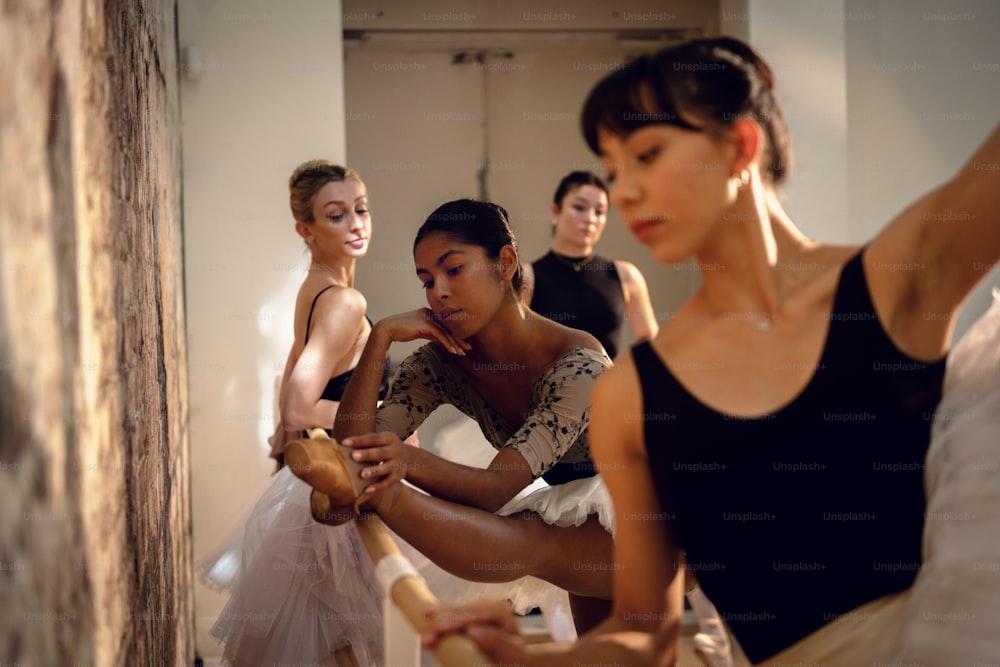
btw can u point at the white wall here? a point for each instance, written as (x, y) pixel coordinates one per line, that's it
(884, 100)
(803, 42)
(923, 92)
(414, 118)
(268, 94)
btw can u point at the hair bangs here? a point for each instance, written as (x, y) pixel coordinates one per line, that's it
(628, 99)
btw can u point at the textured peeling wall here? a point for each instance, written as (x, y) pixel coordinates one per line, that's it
(94, 482)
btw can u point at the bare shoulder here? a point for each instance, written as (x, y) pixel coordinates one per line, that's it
(619, 385)
(578, 338)
(339, 308)
(560, 338)
(628, 272)
(817, 270)
(622, 376)
(342, 299)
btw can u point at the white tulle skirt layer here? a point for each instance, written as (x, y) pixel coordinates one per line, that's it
(953, 615)
(302, 590)
(569, 504)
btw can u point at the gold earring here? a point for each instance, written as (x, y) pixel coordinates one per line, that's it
(740, 180)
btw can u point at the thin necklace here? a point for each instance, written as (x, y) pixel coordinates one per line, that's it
(763, 321)
(575, 262)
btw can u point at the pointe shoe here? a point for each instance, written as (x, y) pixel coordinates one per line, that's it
(324, 511)
(320, 464)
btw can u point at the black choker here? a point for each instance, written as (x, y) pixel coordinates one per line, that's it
(575, 262)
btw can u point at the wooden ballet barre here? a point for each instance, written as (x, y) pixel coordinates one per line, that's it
(407, 590)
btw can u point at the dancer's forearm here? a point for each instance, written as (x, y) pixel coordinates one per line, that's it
(613, 642)
(486, 488)
(356, 414)
(492, 626)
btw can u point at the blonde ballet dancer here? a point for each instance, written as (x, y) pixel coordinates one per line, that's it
(296, 595)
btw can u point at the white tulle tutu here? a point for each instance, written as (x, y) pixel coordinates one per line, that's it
(302, 590)
(569, 504)
(953, 614)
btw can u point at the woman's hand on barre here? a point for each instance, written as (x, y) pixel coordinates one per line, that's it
(489, 623)
(384, 457)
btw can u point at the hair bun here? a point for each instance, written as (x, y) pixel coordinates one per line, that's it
(745, 52)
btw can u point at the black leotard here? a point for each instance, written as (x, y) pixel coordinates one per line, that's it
(334, 389)
(794, 518)
(590, 298)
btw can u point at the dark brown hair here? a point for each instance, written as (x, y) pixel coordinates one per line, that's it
(701, 85)
(574, 180)
(472, 222)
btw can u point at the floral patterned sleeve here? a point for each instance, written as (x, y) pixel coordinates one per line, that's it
(415, 391)
(560, 411)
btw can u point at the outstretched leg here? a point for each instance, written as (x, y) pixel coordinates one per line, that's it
(466, 541)
(479, 546)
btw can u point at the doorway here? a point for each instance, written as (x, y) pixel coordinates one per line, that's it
(433, 117)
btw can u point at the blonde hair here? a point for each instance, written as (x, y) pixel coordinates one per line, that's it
(308, 179)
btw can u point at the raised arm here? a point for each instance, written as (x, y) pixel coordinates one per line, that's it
(638, 309)
(928, 259)
(339, 320)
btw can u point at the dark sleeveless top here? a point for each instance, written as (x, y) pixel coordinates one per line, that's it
(794, 518)
(590, 298)
(334, 389)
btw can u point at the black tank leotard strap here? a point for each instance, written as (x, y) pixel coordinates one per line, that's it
(334, 389)
(793, 518)
(584, 295)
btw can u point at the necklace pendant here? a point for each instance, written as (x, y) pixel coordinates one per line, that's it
(575, 263)
(763, 325)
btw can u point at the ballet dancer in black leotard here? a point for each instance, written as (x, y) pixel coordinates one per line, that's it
(305, 593)
(330, 207)
(576, 287)
(334, 389)
(772, 437)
